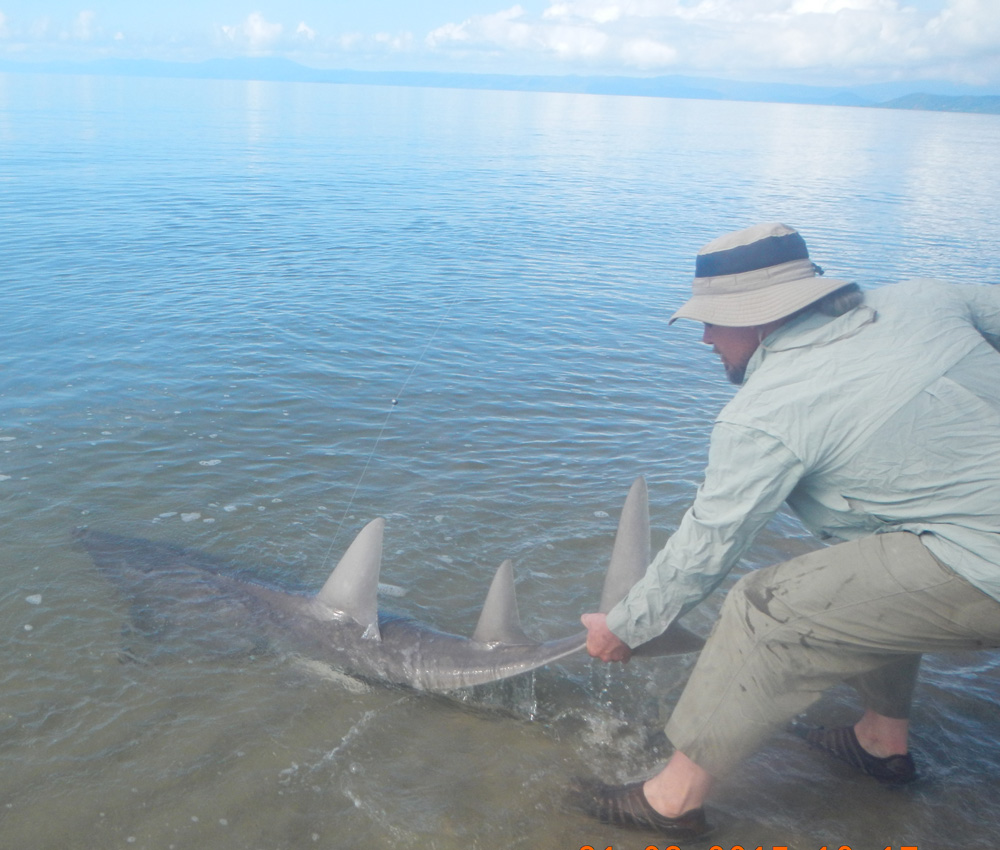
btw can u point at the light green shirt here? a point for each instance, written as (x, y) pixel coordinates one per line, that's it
(884, 419)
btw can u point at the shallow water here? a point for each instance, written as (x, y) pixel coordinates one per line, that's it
(211, 295)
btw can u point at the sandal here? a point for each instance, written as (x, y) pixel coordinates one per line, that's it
(626, 806)
(842, 743)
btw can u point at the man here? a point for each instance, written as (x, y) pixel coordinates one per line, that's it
(876, 417)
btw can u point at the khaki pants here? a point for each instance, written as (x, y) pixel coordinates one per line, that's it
(859, 612)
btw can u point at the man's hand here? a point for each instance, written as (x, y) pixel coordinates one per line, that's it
(603, 643)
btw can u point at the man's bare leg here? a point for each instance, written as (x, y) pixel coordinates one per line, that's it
(680, 787)
(882, 736)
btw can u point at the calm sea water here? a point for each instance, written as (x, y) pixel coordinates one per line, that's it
(211, 293)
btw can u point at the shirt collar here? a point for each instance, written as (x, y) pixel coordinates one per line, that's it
(811, 330)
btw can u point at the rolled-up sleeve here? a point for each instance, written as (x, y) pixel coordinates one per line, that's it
(749, 475)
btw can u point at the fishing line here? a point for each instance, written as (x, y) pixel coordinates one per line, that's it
(385, 422)
(449, 304)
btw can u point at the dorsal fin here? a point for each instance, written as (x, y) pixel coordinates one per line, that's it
(353, 585)
(631, 554)
(629, 560)
(499, 622)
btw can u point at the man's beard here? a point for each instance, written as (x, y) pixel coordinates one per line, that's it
(736, 374)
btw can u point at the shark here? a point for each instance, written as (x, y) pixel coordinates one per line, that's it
(341, 624)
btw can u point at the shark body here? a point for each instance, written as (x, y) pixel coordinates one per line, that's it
(341, 624)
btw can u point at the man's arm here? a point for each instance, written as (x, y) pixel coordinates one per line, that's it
(749, 475)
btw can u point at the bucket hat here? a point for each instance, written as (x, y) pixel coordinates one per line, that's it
(754, 276)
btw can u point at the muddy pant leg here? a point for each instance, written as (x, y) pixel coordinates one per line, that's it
(889, 689)
(789, 632)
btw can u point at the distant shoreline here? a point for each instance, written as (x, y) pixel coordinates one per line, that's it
(934, 96)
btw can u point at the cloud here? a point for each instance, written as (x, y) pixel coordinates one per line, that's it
(255, 32)
(511, 30)
(395, 43)
(501, 29)
(647, 53)
(40, 28)
(828, 41)
(738, 37)
(590, 32)
(968, 23)
(83, 26)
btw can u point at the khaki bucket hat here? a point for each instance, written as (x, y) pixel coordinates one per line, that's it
(754, 276)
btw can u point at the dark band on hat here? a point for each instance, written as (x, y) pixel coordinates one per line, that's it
(760, 254)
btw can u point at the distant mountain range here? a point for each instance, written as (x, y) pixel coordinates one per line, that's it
(927, 95)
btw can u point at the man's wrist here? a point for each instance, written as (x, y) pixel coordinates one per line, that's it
(618, 622)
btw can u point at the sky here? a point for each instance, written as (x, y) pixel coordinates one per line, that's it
(821, 42)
